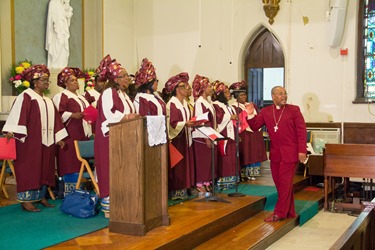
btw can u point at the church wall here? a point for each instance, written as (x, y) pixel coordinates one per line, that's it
(209, 38)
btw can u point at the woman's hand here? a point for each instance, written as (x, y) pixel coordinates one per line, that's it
(250, 108)
(77, 115)
(189, 124)
(9, 135)
(233, 117)
(61, 144)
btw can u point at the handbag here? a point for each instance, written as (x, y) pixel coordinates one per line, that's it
(8, 149)
(80, 204)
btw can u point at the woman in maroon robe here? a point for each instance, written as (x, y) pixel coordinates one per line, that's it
(202, 91)
(180, 175)
(37, 127)
(225, 115)
(147, 101)
(71, 106)
(114, 105)
(252, 148)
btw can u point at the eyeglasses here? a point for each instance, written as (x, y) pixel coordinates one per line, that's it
(123, 76)
(281, 94)
(44, 81)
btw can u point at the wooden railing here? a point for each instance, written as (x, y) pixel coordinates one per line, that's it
(361, 234)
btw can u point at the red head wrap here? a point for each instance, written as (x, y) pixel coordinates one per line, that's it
(67, 72)
(171, 84)
(146, 73)
(109, 69)
(238, 85)
(219, 87)
(200, 84)
(103, 64)
(34, 72)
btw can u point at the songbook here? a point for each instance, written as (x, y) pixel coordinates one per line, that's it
(210, 133)
(8, 149)
(90, 114)
(202, 118)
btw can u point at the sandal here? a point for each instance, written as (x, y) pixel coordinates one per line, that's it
(273, 218)
(29, 207)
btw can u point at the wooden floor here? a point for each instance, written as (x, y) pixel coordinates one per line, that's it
(201, 225)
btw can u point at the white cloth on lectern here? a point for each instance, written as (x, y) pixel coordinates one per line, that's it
(156, 130)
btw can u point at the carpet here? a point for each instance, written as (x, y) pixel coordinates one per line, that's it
(305, 209)
(23, 230)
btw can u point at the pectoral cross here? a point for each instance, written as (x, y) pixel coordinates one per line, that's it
(275, 128)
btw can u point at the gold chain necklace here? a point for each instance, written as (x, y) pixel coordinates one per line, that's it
(274, 118)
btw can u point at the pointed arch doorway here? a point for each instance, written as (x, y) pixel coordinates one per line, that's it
(264, 66)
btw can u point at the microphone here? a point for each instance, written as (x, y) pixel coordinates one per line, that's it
(232, 91)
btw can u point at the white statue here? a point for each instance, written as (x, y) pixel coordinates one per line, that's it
(57, 33)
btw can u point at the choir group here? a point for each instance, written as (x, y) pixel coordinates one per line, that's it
(39, 124)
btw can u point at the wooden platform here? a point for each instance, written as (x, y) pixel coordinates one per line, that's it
(205, 225)
(202, 225)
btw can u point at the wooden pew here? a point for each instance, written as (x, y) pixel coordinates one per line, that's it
(360, 235)
(347, 160)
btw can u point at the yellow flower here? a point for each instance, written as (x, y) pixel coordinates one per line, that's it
(26, 65)
(19, 69)
(91, 73)
(26, 84)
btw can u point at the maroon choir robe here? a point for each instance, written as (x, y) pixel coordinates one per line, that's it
(202, 153)
(252, 148)
(181, 176)
(37, 126)
(112, 106)
(227, 162)
(78, 129)
(149, 104)
(287, 131)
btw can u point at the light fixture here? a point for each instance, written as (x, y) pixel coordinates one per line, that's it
(271, 7)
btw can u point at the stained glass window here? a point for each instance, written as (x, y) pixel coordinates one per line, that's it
(369, 48)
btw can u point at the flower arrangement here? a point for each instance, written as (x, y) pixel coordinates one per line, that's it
(18, 82)
(89, 79)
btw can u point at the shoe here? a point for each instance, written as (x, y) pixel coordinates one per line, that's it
(253, 178)
(273, 218)
(45, 203)
(29, 207)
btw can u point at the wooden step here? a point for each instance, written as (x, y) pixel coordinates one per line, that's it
(253, 233)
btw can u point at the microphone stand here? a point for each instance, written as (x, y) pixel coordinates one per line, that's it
(237, 135)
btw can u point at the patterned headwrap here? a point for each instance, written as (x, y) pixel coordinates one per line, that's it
(238, 85)
(219, 87)
(103, 64)
(171, 84)
(67, 72)
(34, 72)
(146, 73)
(200, 84)
(109, 69)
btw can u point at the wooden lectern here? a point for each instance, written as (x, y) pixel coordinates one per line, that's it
(138, 180)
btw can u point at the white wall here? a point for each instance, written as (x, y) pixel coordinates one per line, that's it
(318, 79)
(169, 33)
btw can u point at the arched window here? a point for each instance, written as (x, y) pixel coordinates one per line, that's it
(366, 52)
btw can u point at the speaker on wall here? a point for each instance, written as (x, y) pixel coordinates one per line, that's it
(336, 21)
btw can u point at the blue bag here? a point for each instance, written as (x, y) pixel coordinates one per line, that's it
(80, 204)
